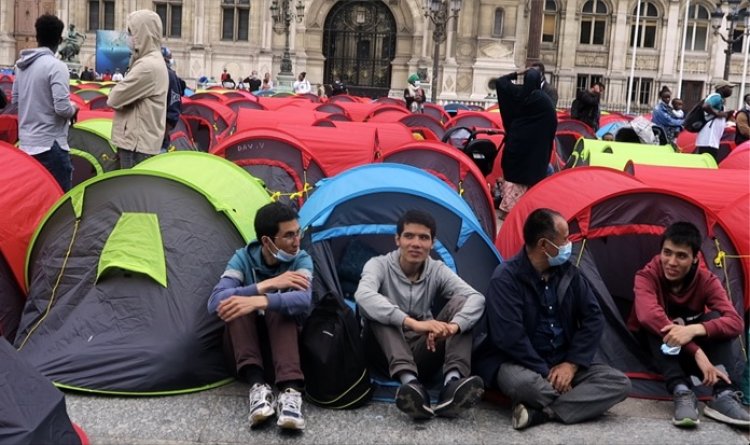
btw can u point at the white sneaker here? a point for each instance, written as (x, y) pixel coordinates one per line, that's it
(289, 407)
(261, 404)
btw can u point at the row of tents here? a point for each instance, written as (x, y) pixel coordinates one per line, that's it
(116, 273)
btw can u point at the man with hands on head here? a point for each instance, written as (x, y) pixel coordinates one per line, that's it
(395, 296)
(267, 285)
(543, 327)
(688, 322)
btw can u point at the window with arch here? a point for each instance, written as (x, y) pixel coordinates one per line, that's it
(649, 21)
(170, 12)
(549, 23)
(497, 24)
(235, 20)
(593, 22)
(699, 21)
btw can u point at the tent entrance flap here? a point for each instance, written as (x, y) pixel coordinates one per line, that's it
(135, 244)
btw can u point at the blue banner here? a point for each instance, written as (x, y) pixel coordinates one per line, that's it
(112, 51)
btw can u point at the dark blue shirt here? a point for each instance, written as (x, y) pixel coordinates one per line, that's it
(549, 338)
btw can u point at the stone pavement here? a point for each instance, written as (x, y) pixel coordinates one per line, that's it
(219, 416)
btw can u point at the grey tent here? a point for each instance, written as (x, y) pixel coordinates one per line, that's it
(120, 270)
(32, 410)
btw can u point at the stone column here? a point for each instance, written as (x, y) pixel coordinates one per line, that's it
(536, 17)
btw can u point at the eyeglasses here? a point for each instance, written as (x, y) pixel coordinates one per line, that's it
(291, 236)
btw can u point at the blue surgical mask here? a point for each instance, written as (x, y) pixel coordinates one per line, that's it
(283, 256)
(563, 254)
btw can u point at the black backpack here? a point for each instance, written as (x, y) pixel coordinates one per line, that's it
(332, 355)
(695, 120)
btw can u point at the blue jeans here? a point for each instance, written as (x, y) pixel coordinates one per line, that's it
(58, 162)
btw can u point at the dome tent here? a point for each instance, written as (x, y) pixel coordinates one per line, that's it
(121, 268)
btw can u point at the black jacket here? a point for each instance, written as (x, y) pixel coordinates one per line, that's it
(530, 122)
(587, 108)
(512, 310)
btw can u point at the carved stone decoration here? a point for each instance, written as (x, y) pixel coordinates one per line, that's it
(463, 83)
(497, 50)
(448, 83)
(465, 49)
(591, 59)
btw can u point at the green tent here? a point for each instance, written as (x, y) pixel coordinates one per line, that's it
(120, 270)
(585, 149)
(91, 149)
(200, 169)
(619, 160)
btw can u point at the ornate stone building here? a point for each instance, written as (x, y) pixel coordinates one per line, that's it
(373, 45)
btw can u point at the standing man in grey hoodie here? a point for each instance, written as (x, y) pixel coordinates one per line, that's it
(42, 92)
(140, 99)
(396, 295)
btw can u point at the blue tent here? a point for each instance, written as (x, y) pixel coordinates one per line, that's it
(353, 216)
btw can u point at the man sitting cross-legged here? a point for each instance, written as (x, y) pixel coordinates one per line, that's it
(544, 326)
(396, 295)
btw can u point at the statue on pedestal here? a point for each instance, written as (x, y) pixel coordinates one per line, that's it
(72, 45)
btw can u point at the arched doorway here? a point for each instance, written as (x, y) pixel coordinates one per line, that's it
(359, 43)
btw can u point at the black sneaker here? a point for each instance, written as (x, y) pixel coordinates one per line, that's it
(412, 399)
(726, 407)
(459, 395)
(685, 409)
(524, 417)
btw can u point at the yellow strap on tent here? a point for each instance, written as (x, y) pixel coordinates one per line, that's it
(298, 194)
(720, 262)
(580, 252)
(275, 196)
(54, 288)
(461, 188)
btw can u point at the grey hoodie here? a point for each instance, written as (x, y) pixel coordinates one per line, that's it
(42, 92)
(387, 296)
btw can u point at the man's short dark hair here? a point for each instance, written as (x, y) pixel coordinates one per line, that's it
(269, 217)
(49, 30)
(539, 65)
(683, 233)
(539, 224)
(601, 85)
(416, 217)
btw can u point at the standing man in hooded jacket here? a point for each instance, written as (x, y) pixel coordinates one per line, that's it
(42, 92)
(140, 100)
(530, 122)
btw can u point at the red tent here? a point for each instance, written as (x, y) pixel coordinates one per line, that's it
(248, 119)
(454, 168)
(286, 165)
(29, 190)
(389, 135)
(739, 158)
(616, 222)
(478, 119)
(219, 115)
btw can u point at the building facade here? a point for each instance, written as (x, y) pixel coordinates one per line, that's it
(373, 45)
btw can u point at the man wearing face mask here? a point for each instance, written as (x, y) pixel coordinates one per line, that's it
(267, 285)
(543, 326)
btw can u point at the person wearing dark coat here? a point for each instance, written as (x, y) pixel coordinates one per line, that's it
(586, 106)
(530, 123)
(538, 339)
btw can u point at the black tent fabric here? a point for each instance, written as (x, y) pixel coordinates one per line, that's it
(11, 301)
(121, 330)
(32, 410)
